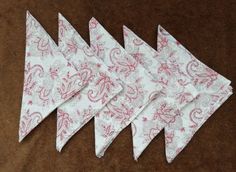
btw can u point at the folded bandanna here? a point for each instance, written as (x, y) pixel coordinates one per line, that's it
(214, 90)
(177, 92)
(49, 79)
(137, 83)
(102, 85)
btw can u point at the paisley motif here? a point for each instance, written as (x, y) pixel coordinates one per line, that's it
(43, 46)
(200, 74)
(28, 122)
(66, 89)
(63, 123)
(107, 130)
(165, 113)
(85, 73)
(122, 64)
(31, 73)
(195, 115)
(121, 113)
(102, 89)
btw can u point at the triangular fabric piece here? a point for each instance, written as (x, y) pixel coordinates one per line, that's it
(49, 80)
(214, 91)
(138, 85)
(102, 87)
(177, 92)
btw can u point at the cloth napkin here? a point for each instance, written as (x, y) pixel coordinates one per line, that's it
(138, 85)
(214, 91)
(49, 80)
(177, 92)
(102, 85)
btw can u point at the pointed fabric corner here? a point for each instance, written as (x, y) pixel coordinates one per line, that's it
(214, 91)
(177, 92)
(137, 94)
(102, 84)
(49, 80)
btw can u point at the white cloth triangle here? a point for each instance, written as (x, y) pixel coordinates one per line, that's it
(214, 90)
(102, 85)
(165, 109)
(137, 83)
(49, 80)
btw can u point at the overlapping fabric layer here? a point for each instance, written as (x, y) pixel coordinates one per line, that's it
(102, 84)
(138, 84)
(49, 79)
(213, 88)
(177, 92)
(167, 88)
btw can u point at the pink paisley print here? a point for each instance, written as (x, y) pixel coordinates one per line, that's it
(103, 87)
(72, 47)
(87, 114)
(28, 121)
(137, 41)
(161, 43)
(169, 137)
(31, 72)
(63, 123)
(201, 77)
(47, 82)
(210, 85)
(97, 49)
(85, 73)
(66, 87)
(165, 68)
(133, 92)
(153, 132)
(61, 28)
(43, 94)
(194, 115)
(93, 23)
(165, 106)
(134, 78)
(184, 97)
(87, 51)
(138, 57)
(165, 113)
(43, 46)
(121, 65)
(107, 130)
(121, 112)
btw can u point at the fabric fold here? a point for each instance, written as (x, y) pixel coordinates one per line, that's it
(177, 92)
(214, 91)
(138, 85)
(49, 79)
(102, 84)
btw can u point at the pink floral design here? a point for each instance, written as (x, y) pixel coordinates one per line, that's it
(124, 65)
(63, 123)
(195, 114)
(43, 46)
(165, 113)
(133, 92)
(93, 23)
(103, 87)
(31, 72)
(121, 112)
(28, 122)
(107, 130)
(65, 90)
(204, 76)
(85, 73)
